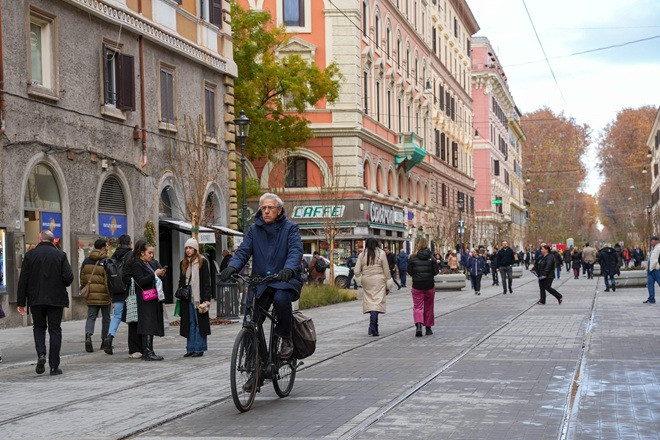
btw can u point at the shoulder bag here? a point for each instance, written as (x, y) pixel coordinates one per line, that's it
(84, 292)
(185, 292)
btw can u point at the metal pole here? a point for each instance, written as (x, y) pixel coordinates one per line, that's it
(243, 184)
(460, 231)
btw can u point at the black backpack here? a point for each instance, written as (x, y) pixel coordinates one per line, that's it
(114, 271)
(303, 335)
(320, 266)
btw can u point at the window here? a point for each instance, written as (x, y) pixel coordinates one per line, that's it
(498, 207)
(402, 187)
(400, 110)
(378, 101)
(443, 156)
(209, 109)
(506, 177)
(437, 143)
(390, 183)
(435, 40)
(442, 98)
(118, 79)
(496, 167)
(366, 95)
(167, 112)
(364, 19)
(377, 31)
(296, 172)
(294, 12)
(398, 53)
(388, 42)
(408, 61)
(379, 179)
(389, 109)
(409, 114)
(42, 44)
(210, 10)
(444, 195)
(454, 154)
(366, 175)
(455, 27)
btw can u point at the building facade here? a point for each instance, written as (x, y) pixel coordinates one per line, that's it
(500, 207)
(94, 94)
(653, 144)
(382, 136)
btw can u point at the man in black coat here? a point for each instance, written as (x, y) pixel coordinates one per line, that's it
(609, 266)
(45, 275)
(226, 256)
(391, 262)
(505, 260)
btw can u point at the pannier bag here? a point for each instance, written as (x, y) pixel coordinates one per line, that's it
(304, 336)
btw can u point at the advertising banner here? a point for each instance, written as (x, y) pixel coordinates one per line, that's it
(53, 222)
(112, 225)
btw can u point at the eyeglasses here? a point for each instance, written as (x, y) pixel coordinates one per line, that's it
(270, 208)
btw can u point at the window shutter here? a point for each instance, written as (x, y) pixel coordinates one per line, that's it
(125, 82)
(104, 55)
(111, 199)
(215, 8)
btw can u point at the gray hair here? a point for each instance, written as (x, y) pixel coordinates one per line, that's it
(47, 235)
(271, 196)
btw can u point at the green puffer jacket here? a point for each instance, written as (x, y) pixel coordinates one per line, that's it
(98, 288)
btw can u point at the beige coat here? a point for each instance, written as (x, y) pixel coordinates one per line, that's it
(375, 280)
(589, 255)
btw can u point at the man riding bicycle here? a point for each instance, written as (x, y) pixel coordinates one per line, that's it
(274, 244)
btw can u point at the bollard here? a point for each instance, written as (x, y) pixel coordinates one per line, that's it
(228, 301)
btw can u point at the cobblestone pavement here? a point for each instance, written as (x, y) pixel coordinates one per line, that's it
(497, 367)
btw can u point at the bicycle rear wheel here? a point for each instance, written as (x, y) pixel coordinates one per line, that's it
(244, 369)
(285, 376)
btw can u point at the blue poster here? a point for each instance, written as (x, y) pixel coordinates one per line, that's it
(53, 222)
(112, 225)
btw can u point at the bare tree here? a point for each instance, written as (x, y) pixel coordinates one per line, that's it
(194, 164)
(331, 193)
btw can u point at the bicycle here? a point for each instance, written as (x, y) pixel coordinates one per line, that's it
(252, 360)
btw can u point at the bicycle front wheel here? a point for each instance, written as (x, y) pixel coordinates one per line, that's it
(244, 369)
(285, 376)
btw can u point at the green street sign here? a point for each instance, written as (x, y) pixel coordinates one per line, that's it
(497, 202)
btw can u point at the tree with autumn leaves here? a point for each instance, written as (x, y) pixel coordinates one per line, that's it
(625, 190)
(555, 174)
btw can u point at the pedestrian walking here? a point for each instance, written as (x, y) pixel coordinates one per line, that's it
(142, 272)
(45, 275)
(118, 294)
(402, 265)
(391, 262)
(492, 260)
(626, 256)
(195, 323)
(637, 256)
(528, 258)
(653, 269)
(505, 260)
(373, 272)
(350, 263)
(476, 267)
(609, 266)
(568, 261)
(544, 269)
(317, 269)
(521, 257)
(559, 262)
(589, 259)
(93, 279)
(576, 262)
(423, 268)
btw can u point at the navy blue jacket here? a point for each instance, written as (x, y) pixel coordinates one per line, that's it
(402, 261)
(476, 266)
(273, 247)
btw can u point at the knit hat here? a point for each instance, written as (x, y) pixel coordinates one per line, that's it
(191, 242)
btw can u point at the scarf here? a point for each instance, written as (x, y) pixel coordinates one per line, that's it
(192, 275)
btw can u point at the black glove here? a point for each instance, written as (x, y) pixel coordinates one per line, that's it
(227, 273)
(285, 275)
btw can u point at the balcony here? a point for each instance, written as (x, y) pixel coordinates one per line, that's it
(410, 151)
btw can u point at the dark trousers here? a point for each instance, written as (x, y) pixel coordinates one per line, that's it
(393, 273)
(476, 282)
(609, 281)
(568, 265)
(576, 272)
(281, 302)
(350, 280)
(402, 275)
(506, 273)
(134, 340)
(546, 286)
(494, 271)
(48, 318)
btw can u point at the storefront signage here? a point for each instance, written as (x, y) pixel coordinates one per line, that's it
(206, 237)
(386, 215)
(112, 225)
(53, 222)
(318, 211)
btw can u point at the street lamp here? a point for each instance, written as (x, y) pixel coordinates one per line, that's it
(461, 206)
(242, 125)
(648, 219)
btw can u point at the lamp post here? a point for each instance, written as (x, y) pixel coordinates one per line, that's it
(461, 206)
(648, 219)
(242, 125)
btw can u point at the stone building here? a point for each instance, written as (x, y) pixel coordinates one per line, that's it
(500, 208)
(383, 133)
(653, 144)
(93, 94)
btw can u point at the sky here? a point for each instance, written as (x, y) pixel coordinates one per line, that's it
(596, 85)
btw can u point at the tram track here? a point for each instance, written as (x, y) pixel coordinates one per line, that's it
(209, 369)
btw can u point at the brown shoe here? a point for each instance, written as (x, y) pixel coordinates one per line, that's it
(286, 349)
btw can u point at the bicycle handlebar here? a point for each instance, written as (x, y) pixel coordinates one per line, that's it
(255, 280)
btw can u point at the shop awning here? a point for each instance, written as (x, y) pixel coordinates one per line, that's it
(181, 225)
(227, 231)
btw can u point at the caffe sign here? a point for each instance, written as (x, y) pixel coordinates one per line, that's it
(318, 211)
(384, 214)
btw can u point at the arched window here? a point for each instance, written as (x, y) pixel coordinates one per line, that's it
(419, 193)
(398, 53)
(364, 19)
(377, 31)
(366, 175)
(402, 187)
(388, 42)
(112, 209)
(296, 172)
(379, 179)
(42, 205)
(390, 183)
(410, 190)
(166, 198)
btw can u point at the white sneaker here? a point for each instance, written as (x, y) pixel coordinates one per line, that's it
(135, 355)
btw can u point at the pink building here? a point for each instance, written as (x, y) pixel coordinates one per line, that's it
(500, 209)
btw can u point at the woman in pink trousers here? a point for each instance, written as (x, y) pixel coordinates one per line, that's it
(422, 268)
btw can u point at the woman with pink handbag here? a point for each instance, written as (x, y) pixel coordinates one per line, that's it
(141, 269)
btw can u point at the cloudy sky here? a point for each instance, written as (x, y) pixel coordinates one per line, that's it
(595, 85)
